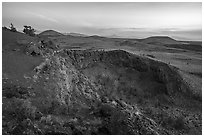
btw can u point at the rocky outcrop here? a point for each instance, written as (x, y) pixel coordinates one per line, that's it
(161, 72)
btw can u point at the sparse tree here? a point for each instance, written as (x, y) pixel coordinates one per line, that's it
(5, 28)
(29, 30)
(12, 28)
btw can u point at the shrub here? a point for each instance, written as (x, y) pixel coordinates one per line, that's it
(58, 108)
(12, 28)
(22, 109)
(29, 30)
(5, 28)
(179, 123)
(15, 91)
(176, 123)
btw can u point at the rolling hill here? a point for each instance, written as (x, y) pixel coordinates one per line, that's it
(160, 40)
(50, 33)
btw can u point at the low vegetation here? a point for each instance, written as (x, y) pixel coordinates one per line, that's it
(96, 92)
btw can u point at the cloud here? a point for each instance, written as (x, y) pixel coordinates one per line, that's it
(47, 18)
(44, 17)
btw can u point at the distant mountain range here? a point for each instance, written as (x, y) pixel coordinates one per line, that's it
(155, 40)
(75, 34)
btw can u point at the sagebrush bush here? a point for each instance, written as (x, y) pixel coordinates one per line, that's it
(15, 91)
(22, 109)
(179, 123)
(12, 28)
(29, 30)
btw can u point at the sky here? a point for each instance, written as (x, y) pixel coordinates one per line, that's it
(182, 21)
